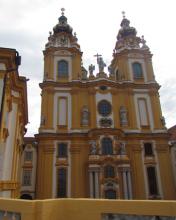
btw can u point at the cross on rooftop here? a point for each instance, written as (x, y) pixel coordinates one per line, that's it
(97, 55)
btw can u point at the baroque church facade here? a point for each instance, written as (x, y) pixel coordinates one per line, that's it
(101, 135)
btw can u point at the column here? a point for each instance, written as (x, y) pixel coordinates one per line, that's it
(91, 184)
(125, 185)
(129, 185)
(96, 185)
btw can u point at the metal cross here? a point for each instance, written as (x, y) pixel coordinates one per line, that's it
(97, 56)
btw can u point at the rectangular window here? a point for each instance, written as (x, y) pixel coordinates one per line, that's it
(143, 113)
(152, 181)
(62, 150)
(62, 183)
(28, 155)
(62, 111)
(27, 175)
(63, 68)
(148, 149)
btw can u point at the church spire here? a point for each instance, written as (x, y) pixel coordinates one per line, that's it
(127, 37)
(126, 30)
(62, 25)
(62, 35)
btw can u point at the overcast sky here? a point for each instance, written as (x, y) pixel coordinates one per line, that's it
(24, 25)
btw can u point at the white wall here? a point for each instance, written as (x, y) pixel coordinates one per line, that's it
(10, 143)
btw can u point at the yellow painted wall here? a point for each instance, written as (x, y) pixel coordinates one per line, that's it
(78, 209)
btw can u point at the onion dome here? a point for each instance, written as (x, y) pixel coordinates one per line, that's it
(126, 30)
(62, 25)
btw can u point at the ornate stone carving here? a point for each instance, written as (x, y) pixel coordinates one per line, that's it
(105, 122)
(93, 147)
(122, 150)
(5, 134)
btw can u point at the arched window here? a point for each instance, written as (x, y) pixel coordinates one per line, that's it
(109, 171)
(62, 68)
(110, 194)
(137, 70)
(107, 148)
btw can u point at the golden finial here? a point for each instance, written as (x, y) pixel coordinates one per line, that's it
(123, 13)
(62, 11)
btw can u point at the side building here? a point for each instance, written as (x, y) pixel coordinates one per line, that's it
(13, 119)
(101, 135)
(172, 143)
(28, 168)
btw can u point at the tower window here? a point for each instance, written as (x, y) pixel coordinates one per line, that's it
(27, 175)
(148, 149)
(110, 194)
(107, 148)
(62, 150)
(152, 182)
(143, 112)
(104, 108)
(28, 155)
(137, 70)
(109, 172)
(62, 183)
(62, 68)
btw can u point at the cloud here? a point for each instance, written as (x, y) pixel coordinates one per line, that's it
(168, 101)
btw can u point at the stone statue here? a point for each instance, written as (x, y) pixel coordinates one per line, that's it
(91, 69)
(85, 116)
(100, 62)
(122, 148)
(111, 72)
(163, 122)
(93, 149)
(143, 41)
(123, 116)
(110, 69)
(84, 73)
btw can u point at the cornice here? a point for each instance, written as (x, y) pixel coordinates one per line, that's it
(92, 83)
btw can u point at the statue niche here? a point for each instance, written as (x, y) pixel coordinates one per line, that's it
(85, 116)
(123, 116)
